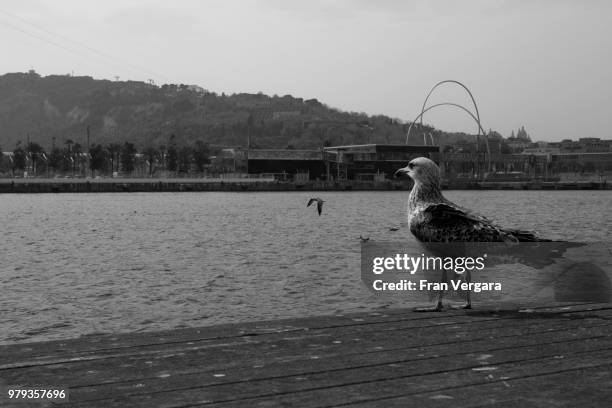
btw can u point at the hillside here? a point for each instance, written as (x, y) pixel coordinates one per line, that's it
(62, 107)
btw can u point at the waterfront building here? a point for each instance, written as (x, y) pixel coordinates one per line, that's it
(285, 164)
(367, 162)
(600, 163)
(371, 162)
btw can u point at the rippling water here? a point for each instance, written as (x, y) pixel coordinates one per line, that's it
(85, 263)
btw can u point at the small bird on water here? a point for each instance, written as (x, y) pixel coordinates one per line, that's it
(319, 203)
(433, 218)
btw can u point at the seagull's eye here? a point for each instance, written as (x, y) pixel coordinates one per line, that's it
(411, 165)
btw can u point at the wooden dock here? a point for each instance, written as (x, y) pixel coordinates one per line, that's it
(539, 357)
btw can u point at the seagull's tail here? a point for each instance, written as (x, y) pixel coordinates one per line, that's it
(526, 236)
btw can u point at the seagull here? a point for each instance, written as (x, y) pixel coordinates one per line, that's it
(362, 239)
(433, 218)
(393, 229)
(319, 203)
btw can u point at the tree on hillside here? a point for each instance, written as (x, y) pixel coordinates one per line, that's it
(77, 149)
(249, 122)
(66, 160)
(162, 156)
(150, 154)
(69, 144)
(113, 154)
(35, 151)
(99, 158)
(201, 153)
(127, 155)
(172, 155)
(185, 155)
(55, 159)
(19, 158)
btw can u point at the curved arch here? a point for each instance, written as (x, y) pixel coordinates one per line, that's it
(480, 129)
(420, 115)
(454, 82)
(476, 118)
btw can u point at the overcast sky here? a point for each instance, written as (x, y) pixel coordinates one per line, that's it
(544, 64)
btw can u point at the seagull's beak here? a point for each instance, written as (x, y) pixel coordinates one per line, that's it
(402, 172)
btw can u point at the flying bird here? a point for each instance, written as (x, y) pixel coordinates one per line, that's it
(362, 239)
(433, 218)
(319, 203)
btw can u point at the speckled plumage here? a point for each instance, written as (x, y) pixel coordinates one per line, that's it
(433, 218)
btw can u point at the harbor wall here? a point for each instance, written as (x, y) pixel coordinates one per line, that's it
(20, 186)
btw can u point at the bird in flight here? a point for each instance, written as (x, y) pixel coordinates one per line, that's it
(319, 203)
(433, 218)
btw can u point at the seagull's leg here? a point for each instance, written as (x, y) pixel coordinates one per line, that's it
(468, 305)
(439, 307)
(468, 277)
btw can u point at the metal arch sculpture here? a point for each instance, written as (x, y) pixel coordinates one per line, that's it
(453, 82)
(480, 129)
(476, 118)
(420, 116)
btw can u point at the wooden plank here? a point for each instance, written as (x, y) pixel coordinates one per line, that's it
(409, 384)
(139, 364)
(101, 342)
(529, 339)
(590, 387)
(318, 361)
(83, 347)
(341, 370)
(109, 344)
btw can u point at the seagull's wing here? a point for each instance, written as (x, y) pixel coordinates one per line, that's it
(445, 213)
(449, 223)
(319, 206)
(312, 200)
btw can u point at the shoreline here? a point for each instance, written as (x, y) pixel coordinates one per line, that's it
(84, 185)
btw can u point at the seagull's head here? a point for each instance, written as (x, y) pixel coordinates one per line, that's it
(421, 170)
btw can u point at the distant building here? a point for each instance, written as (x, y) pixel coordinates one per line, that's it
(593, 145)
(472, 166)
(495, 146)
(286, 163)
(371, 161)
(517, 145)
(582, 162)
(541, 151)
(196, 88)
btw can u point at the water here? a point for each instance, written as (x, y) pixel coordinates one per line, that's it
(74, 264)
